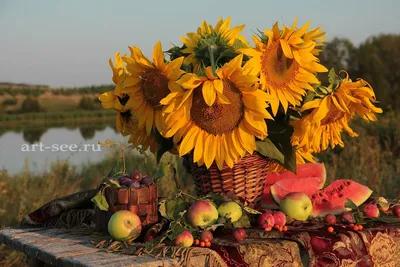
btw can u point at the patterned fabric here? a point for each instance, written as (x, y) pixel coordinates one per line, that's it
(377, 246)
(303, 245)
(258, 252)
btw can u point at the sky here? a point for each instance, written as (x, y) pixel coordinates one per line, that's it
(68, 43)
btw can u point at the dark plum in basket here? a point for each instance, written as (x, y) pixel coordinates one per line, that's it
(147, 181)
(136, 176)
(124, 180)
(133, 184)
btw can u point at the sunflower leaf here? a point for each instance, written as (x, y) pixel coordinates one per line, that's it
(332, 76)
(280, 133)
(268, 149)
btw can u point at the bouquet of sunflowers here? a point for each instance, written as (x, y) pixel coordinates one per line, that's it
(220, 99)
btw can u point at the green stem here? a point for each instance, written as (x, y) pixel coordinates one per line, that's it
(212, 59)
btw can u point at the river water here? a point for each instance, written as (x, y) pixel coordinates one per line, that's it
(38, 147)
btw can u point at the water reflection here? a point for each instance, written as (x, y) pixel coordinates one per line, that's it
(32, 136)
(12, 157)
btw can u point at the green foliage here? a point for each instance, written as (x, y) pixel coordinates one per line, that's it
(30, 105)
(9, 102)
(89, 103)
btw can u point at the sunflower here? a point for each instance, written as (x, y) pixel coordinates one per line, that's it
(331, 114)
(286, 63)
(117, 100)
(122, 103)
(220, 132)
(148, 83)
(221, 37)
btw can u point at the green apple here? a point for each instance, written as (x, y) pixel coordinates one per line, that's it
(124, 225)
(185, 239)
(231, 210)
(296, 205)
(202, 213)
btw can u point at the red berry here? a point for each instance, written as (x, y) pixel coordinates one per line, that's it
(330, 229)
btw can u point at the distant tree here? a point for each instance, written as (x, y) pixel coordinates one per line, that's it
(378, 62)
(88, 103)
(30, 105)
(338, 54)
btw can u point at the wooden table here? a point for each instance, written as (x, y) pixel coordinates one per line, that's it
(53, 247)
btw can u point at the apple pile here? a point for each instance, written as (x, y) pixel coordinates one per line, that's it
(135, 180)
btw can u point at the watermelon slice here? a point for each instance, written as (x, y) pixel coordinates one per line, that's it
(333, 198)
(307, 170)
(307, 185)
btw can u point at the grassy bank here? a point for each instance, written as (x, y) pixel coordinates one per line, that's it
(38, 118)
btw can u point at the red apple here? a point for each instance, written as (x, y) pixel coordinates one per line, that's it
(396, 210)
(383, 204)
(239, 234)
(280, 218)
(124, 225)
(206, 235)
(185, 239)
(266, 220)
(371, 211)
(330, 219)
(202, 213)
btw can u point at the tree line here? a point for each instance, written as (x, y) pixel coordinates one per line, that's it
(376, 60)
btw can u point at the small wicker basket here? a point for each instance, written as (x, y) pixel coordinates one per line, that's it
(141, 201)
(246, 179)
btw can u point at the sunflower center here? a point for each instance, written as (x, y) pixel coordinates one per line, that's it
(154, 87)
(219, 118)
(332, 116)
(277, 68)
(126, 117)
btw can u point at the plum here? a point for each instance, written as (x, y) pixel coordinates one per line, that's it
(396, 210)
(347, 218)
(133, 184)
(136, 176)
(124, 180)
(147, 180)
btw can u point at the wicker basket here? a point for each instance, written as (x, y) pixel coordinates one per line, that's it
(246, 179)
(141, 201)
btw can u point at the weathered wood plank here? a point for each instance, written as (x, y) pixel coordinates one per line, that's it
(56, 247)
(83, 260)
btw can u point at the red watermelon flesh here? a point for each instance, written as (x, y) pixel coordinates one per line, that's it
(307, 170)
(307, 185)
(333, 198)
